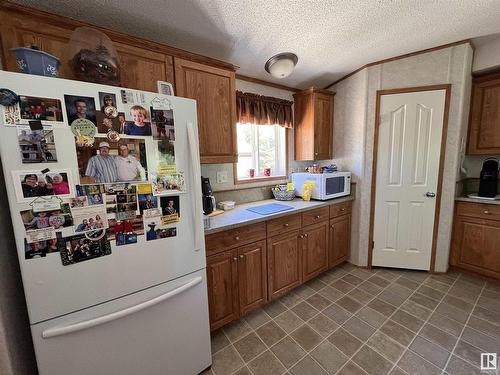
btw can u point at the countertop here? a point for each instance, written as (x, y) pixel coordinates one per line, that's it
(239, 216)
(476, 200)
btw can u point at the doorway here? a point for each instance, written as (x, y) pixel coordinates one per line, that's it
(409, 149)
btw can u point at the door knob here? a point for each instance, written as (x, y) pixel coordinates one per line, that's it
(430, 194)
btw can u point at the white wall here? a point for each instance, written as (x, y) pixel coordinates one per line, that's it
(210, 170)
(486, 53)
(450, 65)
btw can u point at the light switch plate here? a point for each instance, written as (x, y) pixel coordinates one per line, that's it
(221, 177)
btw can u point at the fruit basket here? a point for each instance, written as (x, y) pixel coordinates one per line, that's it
(283, 195)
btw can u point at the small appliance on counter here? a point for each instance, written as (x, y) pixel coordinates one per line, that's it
(327, 185)
(488, 181)
(226, 205)
(208, 198)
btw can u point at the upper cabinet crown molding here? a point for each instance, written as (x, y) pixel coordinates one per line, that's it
(313, 124)
(484, 119)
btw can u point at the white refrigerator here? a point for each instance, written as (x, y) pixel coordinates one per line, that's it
(142, 309)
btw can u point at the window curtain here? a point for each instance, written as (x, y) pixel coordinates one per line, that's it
(263, 110)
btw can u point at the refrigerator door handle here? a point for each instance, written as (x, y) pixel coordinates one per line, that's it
(59, 331)
(194, 153)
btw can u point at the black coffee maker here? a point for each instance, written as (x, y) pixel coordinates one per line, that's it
(208, 198)
(488, 182)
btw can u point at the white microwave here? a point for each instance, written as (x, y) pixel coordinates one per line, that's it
(327, 185)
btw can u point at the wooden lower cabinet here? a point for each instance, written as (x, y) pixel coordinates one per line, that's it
(237, 282)
(314, 240)
(222, 280)
(339, 248)
(284, 263)
(476, 245)
(252, 276)
(283, 253)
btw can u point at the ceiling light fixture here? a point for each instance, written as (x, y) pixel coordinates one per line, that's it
(281, 65)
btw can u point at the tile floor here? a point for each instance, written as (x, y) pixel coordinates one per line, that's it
(356, 321)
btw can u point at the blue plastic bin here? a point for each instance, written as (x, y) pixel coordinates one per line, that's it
(32, 61)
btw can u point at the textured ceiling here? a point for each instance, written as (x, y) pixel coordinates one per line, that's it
(331, 37)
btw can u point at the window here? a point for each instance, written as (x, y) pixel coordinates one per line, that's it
(260, 147)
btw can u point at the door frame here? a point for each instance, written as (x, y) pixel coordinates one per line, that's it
(444, 137)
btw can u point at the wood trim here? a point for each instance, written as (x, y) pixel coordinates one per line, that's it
(447, 88)
(115, 36)
(266, 83)
(399, 57)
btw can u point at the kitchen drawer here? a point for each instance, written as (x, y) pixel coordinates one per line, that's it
(479, 210)
(315, 216)
(283, 224)
(228, 239)
(339, 209)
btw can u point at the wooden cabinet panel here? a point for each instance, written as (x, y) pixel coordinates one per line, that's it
(314, 250)
(315, 216)
(313, 124)
(252, 276)
(284, 263)
(323, 123)
(339, 209)
(480, 211)
(214, 91)
(340, 240)
(142, 68)
(484, 124)
(283, 224)
(227, 239)
(476, 245)
(222, 283)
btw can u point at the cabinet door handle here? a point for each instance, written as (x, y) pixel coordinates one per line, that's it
(235, 259)
(342, 209)
(286, 225)
(305, 235)
(237, 238)
(317, 216)
(242, 256)
(486, 212)
(315, 154)
(301, 236)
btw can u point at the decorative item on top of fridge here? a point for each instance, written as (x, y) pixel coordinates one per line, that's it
(31, 60)
(93, 58)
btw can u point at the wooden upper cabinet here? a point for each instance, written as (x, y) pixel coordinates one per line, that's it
(484, 124)
(313, 124)
(252, 276)
(314, 250)
(141, 69)
(284, 263)
(214, 91)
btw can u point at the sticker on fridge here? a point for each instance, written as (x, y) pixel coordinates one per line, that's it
(170, 209)
(155, 230)
(79, 248)
(57, 219)
(162, 123)
(112, 162)
(32, 183)
(87, 219)
(39, 249)
(128, 226)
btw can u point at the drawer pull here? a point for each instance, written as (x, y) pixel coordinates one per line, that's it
(286, 225)
(306, 235)
(242, 256)
(235, 259)
(486, 212)
(301, 236)
(342, 209)
(317, 216)
(236, 238)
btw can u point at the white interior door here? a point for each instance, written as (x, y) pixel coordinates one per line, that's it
(409, 149)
